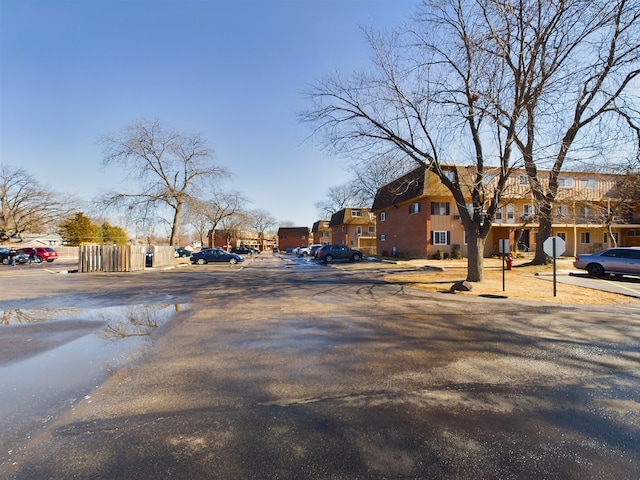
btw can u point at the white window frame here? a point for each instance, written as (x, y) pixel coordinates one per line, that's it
(437, 237)
(383, 237)
(383, 216)
(372, 229)
(414, 208)
(523, 180)
(585, 238)
(499, 215)
(356, 213)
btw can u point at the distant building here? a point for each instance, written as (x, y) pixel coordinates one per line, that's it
(356, 228)
(321, 232)
(292, 237)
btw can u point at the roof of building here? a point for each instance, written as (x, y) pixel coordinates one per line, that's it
(293, 231)
(402, 189)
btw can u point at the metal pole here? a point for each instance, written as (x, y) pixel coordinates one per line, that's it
(554, 267)
(503, 255)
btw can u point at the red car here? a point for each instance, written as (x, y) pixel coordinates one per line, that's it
(47, 254)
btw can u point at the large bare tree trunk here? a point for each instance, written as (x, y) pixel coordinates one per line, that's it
(544, 231)
(475, 260)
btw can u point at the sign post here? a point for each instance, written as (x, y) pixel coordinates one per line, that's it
(554, 247)
(505, 249)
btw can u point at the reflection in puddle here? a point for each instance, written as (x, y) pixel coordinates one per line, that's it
(120, 321)
(49, 358)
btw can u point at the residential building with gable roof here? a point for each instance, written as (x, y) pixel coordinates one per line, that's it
(321, 232)
(354, 227)
(417, 215)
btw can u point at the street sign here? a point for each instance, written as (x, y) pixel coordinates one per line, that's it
(554, 246)
(504, 246)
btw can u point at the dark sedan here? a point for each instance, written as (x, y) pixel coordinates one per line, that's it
(329, 253)
(207, 255)
(245, 251)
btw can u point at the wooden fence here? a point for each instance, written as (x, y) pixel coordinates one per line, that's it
(111, 258)
(129, 258)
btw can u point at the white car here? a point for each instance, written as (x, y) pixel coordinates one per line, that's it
(306, 251)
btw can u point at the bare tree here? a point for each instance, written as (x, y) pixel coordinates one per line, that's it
(575, 65)
(370, 175)
(425, 99)
(338, 197)
(261, 221)
(27, 206)
(470, 80)
(168, 169)
(206, 215)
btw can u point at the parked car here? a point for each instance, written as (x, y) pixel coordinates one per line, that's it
(244, 251)
(5, 256)
(182, 252)
(207, 255)
(619, 261)
(306, 251)
(47, 254)
(329, 253)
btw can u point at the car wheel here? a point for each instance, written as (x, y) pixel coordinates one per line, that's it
(328, 258)
(48, 260)
(595, 269)
(5, 260)
(201, 261)
(356, 257)
(233, 261)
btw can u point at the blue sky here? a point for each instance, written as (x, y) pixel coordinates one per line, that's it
(72, 71)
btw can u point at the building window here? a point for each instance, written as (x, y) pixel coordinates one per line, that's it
(383, 216)
(561, 211)
(528, 211)
(450, 175)
(439, 208)
(585, 237)
(589, 183)
(302, 237)
(383, 237)
(562, 235)
(488, 178)
(511, 213)
(499, 215)
(440, 237)
(584, 212)
(565, 182)
(414, 208)
(523, 180)
(342, 228)
(325, 234)
(372, 230)
(356, 213)
(326, 224)
(606, 239)
(358, 231)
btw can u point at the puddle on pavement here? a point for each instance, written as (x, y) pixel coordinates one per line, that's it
(54, 356)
